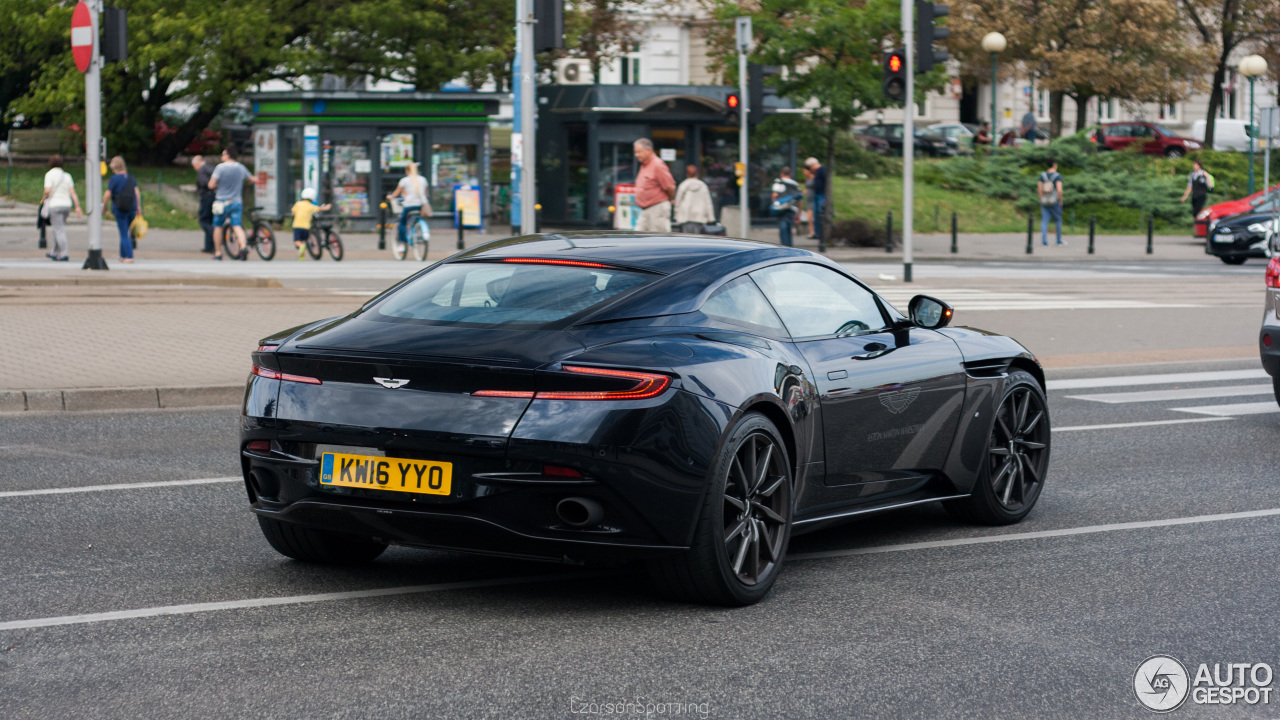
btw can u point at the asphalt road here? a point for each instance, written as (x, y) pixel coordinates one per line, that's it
(865, 621)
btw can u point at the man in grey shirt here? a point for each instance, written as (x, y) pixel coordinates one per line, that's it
(228, 186)
(1029, 125)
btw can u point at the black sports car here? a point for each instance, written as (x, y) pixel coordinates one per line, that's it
(683, 400)
(1237, 238)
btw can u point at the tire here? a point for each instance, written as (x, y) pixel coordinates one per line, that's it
(419, 243)
(313, 244)
(1233, 259)
(319, 546)
(1174, 152)
(726, 563)
(1275, 388)
(1017, 457)
(264, 240)
(335, 245)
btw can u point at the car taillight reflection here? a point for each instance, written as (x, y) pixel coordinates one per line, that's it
(277, 375)
(1273, 272)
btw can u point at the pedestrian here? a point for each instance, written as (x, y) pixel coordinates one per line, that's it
(1199, 183)
(654, 189)
(983, 137)
(413, 188)
(786, 198)
(694, 208)
(808, 200)
(126, 199)
(1049, 186)
(821, 186)
(1029, 124)
(228, 181)
(204, 171)
(302, 212)
(59, 197)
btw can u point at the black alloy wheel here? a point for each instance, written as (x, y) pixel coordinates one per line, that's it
(1017, 457)
(745, 526)
(1174, 152)
(264, 240)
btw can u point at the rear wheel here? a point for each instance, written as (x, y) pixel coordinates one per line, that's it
(264, 240)
(335, 245)
(1233, 259)
(419, 242)
(319, 546)
(1016, 457)
(1174, 152)
(745, 524)
(313, 244)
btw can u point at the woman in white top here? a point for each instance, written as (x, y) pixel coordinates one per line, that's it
(59, 197)
(413, 187)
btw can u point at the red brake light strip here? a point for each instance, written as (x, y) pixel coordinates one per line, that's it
(648, 385)
(551, 261)
(277, 375)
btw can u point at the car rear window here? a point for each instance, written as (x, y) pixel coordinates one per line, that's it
(507, 293)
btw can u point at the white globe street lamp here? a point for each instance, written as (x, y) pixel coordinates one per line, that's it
(1251, 66)
(994, 43)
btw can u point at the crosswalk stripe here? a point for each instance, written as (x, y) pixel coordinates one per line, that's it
(1162, 379)
(1176, 394)
(1148, 423)
(1262, 408)
(976, 300)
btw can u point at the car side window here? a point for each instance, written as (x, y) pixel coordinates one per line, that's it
(740, 302)
(815, 301)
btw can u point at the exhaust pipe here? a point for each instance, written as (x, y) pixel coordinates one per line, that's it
(579, 512)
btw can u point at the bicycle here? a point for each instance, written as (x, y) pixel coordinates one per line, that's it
(323, 236)
(419, 236)
(260, 237)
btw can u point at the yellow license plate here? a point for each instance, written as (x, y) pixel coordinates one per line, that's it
(385, 473)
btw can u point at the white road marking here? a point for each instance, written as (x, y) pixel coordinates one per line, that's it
(119, 486)
(272, 601)
(467, 585)
(971, 300)
(1176, 394)
(1111, 426)
(1262, 408)
(1065, 532)
(1159, 379)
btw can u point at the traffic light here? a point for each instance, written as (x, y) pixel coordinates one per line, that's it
(733, 109)
(756, 90)
(927, 33)
(895, 75)
(548, 33)
(115, 35)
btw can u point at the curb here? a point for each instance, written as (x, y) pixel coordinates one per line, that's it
(153, 398)
(238, 282)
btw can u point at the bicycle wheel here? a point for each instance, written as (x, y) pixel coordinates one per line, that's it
(313, 244)
(419, 241)
(335, 245)
(264, 240)
(399, 250)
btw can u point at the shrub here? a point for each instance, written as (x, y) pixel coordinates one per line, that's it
(860, 233)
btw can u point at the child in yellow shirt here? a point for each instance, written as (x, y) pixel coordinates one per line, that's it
(302, 212)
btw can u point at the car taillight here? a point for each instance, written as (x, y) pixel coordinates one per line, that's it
(644, 385)
(277, 375)
(1273, 272)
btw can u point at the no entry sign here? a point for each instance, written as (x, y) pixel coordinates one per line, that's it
(81, 36)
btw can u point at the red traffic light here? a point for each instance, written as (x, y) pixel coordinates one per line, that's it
(895, 63)
(732, 101)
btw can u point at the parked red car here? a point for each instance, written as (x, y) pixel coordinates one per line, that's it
(1225, 209)
(1156, 139)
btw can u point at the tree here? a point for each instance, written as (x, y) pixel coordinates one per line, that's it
(831, 51)
(38, 33)
(601, 31)
(1128, 49)
(1222, 26)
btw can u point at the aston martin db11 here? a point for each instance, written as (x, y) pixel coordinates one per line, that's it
(686, 402)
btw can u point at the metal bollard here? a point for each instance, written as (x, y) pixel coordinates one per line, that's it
(1093, 221)
(537, 218)
(382, 226)
(1073, 220)
(954, 246)
(1030, 221)
(1151, 227)
(457, 218)
(936, 227)
(888, 233)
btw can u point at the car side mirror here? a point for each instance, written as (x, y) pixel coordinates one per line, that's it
(929, 313)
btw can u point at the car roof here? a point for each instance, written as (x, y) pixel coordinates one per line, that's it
(661, 253)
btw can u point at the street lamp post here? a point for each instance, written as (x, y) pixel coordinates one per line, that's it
(995, 44)
(1251, 66)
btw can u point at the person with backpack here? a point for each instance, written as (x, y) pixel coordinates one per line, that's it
(1050, 188)
(786, 199)
(125, 199)
(59, 197)
(1199, 183)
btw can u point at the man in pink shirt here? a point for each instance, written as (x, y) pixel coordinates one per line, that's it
(654, 189)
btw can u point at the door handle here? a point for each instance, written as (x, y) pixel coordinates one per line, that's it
(873, 350)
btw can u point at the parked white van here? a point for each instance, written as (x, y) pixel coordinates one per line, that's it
(1228, 134)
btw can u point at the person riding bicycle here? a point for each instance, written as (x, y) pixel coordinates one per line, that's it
(413, 187)
(303, 210)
